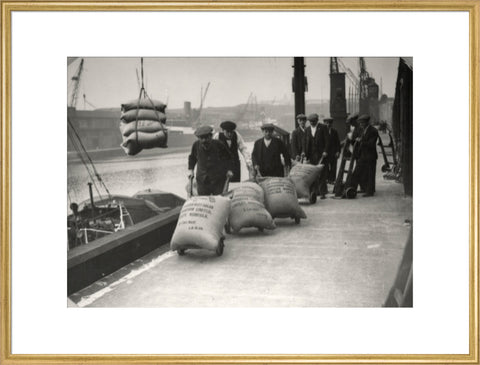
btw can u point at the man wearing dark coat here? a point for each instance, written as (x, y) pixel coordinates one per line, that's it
(316, 147)
(365, 169)
(297, 139)
(333, 151)
(267, 151)
(213, 161)
(234, 142)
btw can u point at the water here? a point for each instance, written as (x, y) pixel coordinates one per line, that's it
(126, 176)
(167, 172)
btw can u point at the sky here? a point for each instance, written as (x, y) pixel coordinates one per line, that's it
(108, 82)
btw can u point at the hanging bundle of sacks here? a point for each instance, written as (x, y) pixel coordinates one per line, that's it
(248, 209)
(303, 176)
(281, 198)
(142, 125)
(201, 223)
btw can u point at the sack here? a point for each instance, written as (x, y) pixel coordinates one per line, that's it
(281, 198)
(201, 223)
(143, 114)
(144, 103)
(249, 190)
(146, 126)
(145, 141)
(248, 209)
(303, 176)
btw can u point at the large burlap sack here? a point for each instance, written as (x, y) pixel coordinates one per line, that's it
(303, 176)
(248, 209)
(144, 103)
(201, 223)
(145, 141)
(143, 114)
(281, 198)
(146, 126)
(248, 189)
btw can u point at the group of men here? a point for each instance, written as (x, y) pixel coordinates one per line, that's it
(217, 156)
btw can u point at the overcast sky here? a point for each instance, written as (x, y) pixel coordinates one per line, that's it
(108, 82)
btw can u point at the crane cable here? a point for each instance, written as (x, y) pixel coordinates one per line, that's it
(97, 175)
(145, 95)
(84, 162)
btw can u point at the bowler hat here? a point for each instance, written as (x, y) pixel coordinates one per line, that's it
(267, 126)
(301, 117)
(364, 117)
(228, 125)
(203, 130)
(313, 116)
(328, 119)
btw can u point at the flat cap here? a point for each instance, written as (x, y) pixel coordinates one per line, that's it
(313, 116)
(354, 116)
(365, 117)
(228, 125)
(301, 117)
(328, 119)
(267, 126)
(203, 130)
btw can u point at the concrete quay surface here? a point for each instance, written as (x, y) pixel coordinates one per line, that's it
(345, 254)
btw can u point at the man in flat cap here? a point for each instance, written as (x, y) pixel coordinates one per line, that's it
(316, 147)
(365, 169)
(213, 161)
(234, 142)
(297, 139)
(267, 152)
(333, 150)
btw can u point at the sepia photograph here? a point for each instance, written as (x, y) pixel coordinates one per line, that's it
(240, 182)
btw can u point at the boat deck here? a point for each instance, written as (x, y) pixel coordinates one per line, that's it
(345, 254)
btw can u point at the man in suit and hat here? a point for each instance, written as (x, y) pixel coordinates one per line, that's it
(297, 139)
(367, 161)
(213, 161)
(267, 151)
(234, 142)
(316, 147)
(333, 151)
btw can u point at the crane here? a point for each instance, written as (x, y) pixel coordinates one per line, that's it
(353, 94)
(203, 95)
(76, 84)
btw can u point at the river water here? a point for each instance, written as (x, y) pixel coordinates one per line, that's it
(126, 176)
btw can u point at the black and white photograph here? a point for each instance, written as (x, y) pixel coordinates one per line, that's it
(239, 182)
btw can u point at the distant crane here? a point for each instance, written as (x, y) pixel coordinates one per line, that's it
(76, 84)
(352, 94)
(203, 95)
(368, 92)
(252, 103)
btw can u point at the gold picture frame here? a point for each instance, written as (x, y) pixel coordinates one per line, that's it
(472, 7)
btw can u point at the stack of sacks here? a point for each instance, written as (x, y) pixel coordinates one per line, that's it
(281, 198)
(303, 176)
(248, 209)
(143, 121)
(201, 223)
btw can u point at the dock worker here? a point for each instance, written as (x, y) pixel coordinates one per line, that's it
(267, 153)
(234, 142)
(333, 150)
(316, 146)
(297, 139)
(213, 161)
(365, 169)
